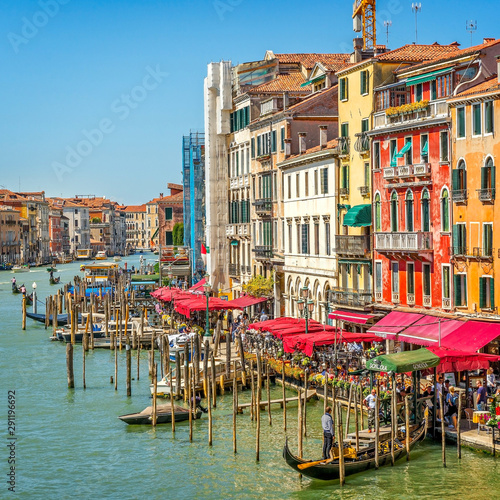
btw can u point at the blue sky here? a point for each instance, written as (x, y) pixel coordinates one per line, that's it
(96, 95)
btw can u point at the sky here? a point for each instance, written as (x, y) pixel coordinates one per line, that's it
(97, 94)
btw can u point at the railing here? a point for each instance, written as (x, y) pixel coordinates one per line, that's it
(247, 268)
(350, 297)
(344, 145)
(362, 144)
(395, 297)
(486, 194)
(344, 191)
(459, 195)
(242, 229)
(460, 250)
(410, 299)
(403, 242)
(378, 296)
(263, 251)
(390, 172)
(352, 245)
(422, 169)
(364, 190)
(427, 301)
(446, 302)
(405, 171)
(234, 270)
(434, 109)
(263, 205)
(482, 253)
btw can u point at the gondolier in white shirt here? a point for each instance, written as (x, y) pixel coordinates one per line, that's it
(370, 404)
(327, 424)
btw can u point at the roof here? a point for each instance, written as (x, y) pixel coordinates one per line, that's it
(310, 59)
(329, 145)
(135, 208)
(457, 53)
(488, 86)
(285, 81)
(418, 52)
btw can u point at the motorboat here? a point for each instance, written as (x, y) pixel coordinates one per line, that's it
(20, 269)
(101, 255)
(163, 415)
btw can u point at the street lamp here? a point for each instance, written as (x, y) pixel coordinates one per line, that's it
(305, 305)
(206, 288)
(34, 297)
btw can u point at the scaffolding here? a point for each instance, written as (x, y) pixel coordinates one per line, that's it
(193, 175)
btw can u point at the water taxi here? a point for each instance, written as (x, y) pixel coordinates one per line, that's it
(101, 255)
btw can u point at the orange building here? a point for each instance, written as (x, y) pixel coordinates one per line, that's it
(476, 205)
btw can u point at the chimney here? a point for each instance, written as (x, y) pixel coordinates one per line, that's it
(487, 40)
(357, 56)
(302, 142)
(288, 147)
(161, 195)
(286, 100)
(323, 136)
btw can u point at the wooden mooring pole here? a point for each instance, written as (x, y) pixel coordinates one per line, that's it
(284, 394)
(69, 365)
(268, 390)
(459, 432)
(407, 426)
(443, 431)
(24, 312)
(129, 366)
(340, 440)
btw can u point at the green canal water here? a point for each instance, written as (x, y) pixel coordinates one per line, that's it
(70, 443)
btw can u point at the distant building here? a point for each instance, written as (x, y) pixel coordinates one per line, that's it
(135, 220)
(10, 235)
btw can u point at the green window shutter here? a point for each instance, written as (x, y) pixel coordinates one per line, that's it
(487, 117)
(232, 122)
(457, 290)
(342, 89)
(433, 90)
(273, 141)
(477, 119)
(252, 147)
(363, 82)
(493, 182)
(482, 293)
(455, 179)
(492, 293)
(484, 177)
(455, 238)
(461, 122)
(282, 138)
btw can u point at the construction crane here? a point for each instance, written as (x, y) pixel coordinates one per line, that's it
(363, 16)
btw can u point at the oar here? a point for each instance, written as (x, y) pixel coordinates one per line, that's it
(311, 464)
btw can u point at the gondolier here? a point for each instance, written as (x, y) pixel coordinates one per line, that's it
(327, 424)
(370, 404)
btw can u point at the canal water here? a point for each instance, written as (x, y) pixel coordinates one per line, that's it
(70, 443)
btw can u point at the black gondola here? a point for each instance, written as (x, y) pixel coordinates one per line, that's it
(29, 299)
(62, 319)
(54, 281)
(163, 415)
(365, 461)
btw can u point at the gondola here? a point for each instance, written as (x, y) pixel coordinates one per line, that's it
(51, 270)
(54, 281)
(62, 319)
(15, 289)
(29, 299)
(365, 460)
(163, 415)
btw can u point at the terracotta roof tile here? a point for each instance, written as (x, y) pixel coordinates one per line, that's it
(309, 60)
(135, 208)
(418, 53)
(486, 87)
(329, 145)
(316, 95)
(285, 81)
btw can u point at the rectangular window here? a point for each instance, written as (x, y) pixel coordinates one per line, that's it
(488, 240)
(410, 277)
(376, 155)
(298, 239)
(365, 125)
(316, 184)
(395, 277)
(169, 240)
(289, 238)
(282, 139)
(168, 213)
(289, 179)
(433, 90)
(344, 129)
(297, 185)
(476, 119)
(305, 239)
(324, 180)
(460, 287)
(316, 238)
(367, 174)
(252, 147)
(327, 238)
(459, 236)
(378, 277)
(488, 117)
(409, 152)
(393, 149)
(443, 142)
(446, 282)
(273, 141)
(306, 183)
(275, 186)
(486, 292)
(364, 82)
(418, 92)
(426, 279)
(424, 148)
(460, 122)
(344, 180)
(344, 92)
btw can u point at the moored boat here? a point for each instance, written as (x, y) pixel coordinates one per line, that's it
(62, 319)
(54, 281)
(20, 269)
(163, 415)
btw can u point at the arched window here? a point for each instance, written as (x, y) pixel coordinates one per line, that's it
(426, 223)
(459, 182)
(445, 210)
(487, 192)
(409, 210)
(378, 220)
(394, 212)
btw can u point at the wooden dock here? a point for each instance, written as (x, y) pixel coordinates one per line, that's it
(263, 404)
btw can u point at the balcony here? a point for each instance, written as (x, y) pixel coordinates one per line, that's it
(446, 302)
(378, 296)
(344, 146)
(486, 195)
(459, 195)
(405, 171)
(463, 252)
(353, 245)
(395, 297)
(362, 144)
(432, 110)
(234, 269)
(350, 297)
(263, 251)
(364, 190)
(422, 169)
(263, 206)
(237, 229)
(239, 182)
(410, 299)
(390, 172)
(344, 191)
(403, 242)
(427, 300)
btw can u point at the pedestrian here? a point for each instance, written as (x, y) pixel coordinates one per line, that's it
(490, 381)
(263, 316)
(481, 396)
(23, 289)
(328, 434)
(452, 402)
(370, 404)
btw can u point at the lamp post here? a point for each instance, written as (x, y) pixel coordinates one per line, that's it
(305, 305)
(34, 297)
(170, 277)
(207, 288)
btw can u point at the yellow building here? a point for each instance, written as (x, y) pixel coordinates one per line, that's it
(475, 147)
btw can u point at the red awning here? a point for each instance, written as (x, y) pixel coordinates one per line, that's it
(472, 335)
(245, 301)
(457, 361)
(395, 322)
(426, 331)
(187, 305)
(351, 317)
(167, 294)
(198, 287)
(271, 323)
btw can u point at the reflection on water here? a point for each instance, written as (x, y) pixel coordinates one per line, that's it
(72, 443)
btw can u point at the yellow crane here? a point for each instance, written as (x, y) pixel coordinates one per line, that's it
(364, 20)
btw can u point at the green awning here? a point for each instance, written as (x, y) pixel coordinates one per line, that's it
(359, 216)
(425, 149)
(404, 149)
(402, 362)
(314, 80)
(427, 77)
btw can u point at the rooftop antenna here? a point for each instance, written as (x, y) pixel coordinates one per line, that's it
(387, 25)
(416, 7)
(471, 26)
